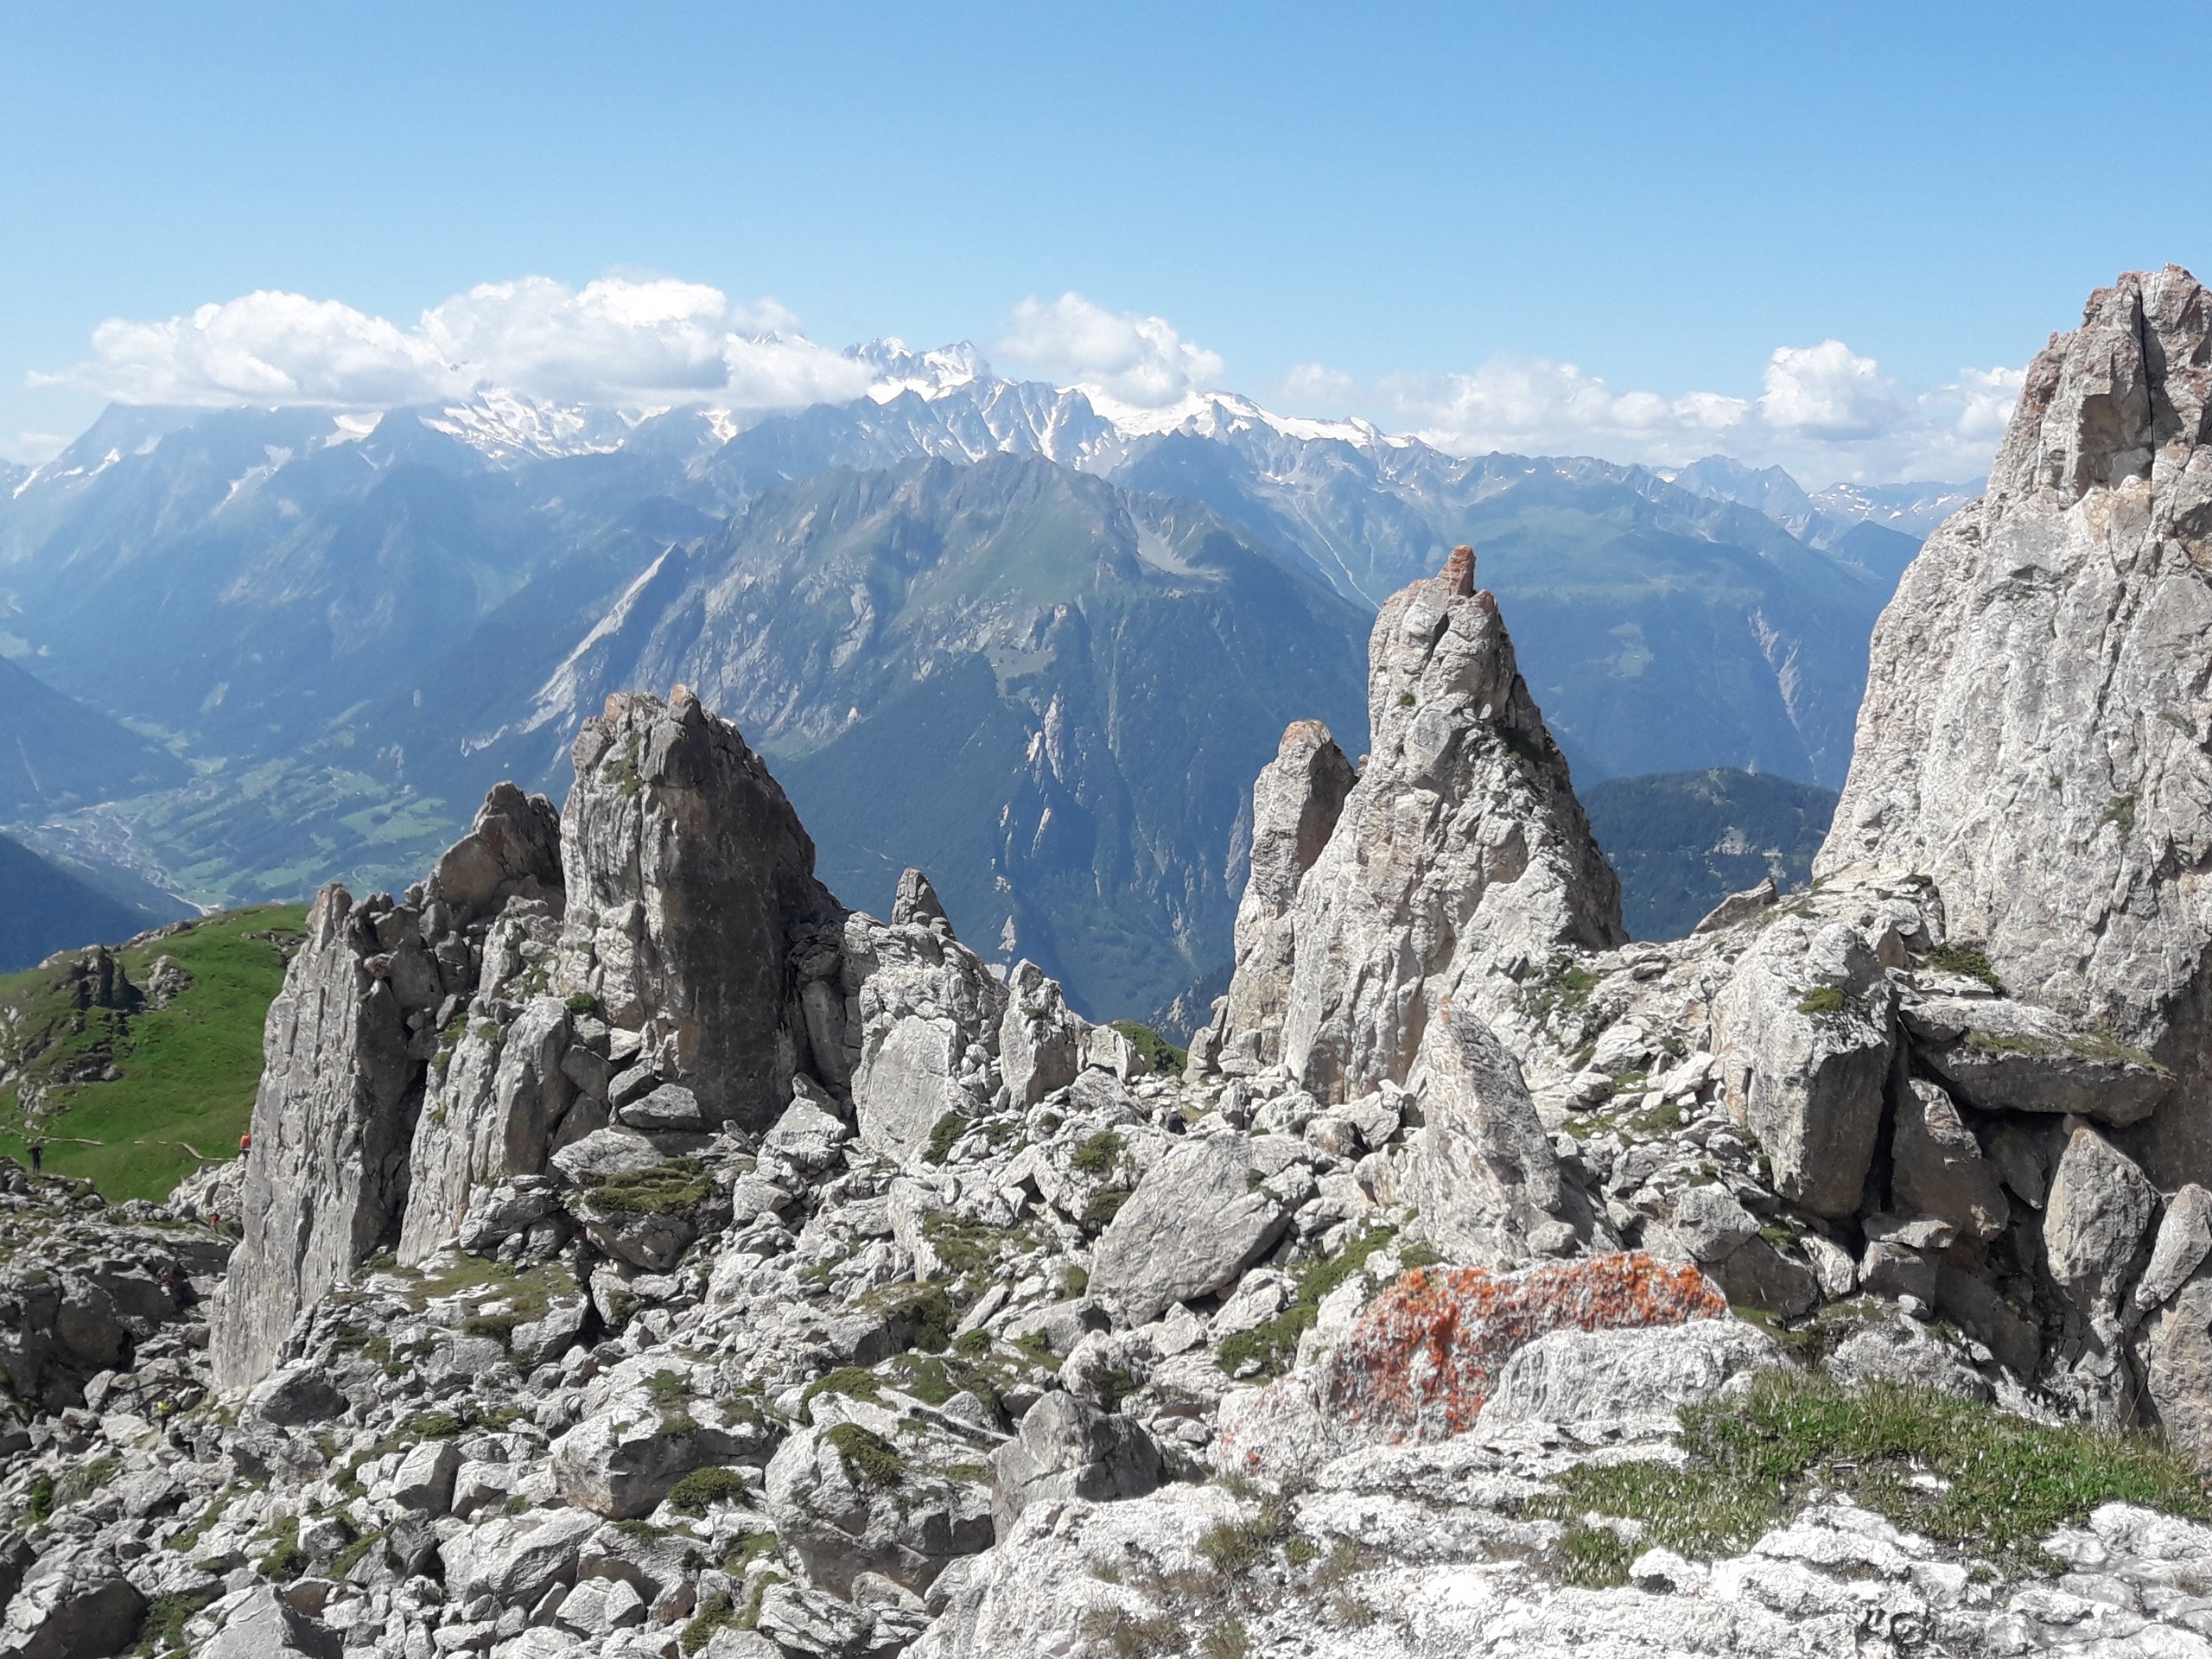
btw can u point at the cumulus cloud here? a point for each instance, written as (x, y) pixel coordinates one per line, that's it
(615, 340)
(1144, 362)
(1829, 391)
(1825, 412)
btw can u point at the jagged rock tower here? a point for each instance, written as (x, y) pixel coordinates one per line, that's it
(1457, 866)
(2037, 733)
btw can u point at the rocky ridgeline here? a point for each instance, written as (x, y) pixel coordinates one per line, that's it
(642, 1255)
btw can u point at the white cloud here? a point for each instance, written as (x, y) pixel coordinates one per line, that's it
(615, 340)
(1529, 404)
(1829, 391)
(1826, 413)
(1141, 361)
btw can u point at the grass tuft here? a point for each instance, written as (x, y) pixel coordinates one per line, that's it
(2002, 1483)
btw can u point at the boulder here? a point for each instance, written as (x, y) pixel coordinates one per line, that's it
(1064, 1449)
(620, 1462)
(1040, 1038)
(1481, 1173)
(262, 1624)
(1738, 907)
(1590, 1376)
(2096, 1221)
(517, 1559)
(2006, 1056)
(1804, 1032)
(1710, 1222)
(605, 1154)
(849, 1498)
(1199, 1216)
(798, 1620)
(923, 1015)
(424, 1479)
(74, 1603)
(807, 1135)
(299, 1394)
(2176, 1354)
(669, 1107)
(1424, 1358)
(2184, 1240)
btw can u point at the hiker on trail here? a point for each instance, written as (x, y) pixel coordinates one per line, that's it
(38, 1156)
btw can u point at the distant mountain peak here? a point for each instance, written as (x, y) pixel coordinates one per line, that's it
(506, 425)
(930, 375)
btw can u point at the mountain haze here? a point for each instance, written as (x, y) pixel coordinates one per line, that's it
(1045, 649)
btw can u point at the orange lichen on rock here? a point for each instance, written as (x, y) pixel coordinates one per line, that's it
(1460, 570)
(1420, 1361)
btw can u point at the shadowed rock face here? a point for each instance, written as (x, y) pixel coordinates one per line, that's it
(1296, 805)
(331, 1121)
(2036, 714)
(1460, 862)
(689, 871)
(363, 1008)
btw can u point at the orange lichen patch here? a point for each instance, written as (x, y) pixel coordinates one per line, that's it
(1422, 1360)
(1460, 570)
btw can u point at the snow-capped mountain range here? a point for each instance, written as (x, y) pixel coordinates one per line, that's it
(1074, 426)
(1034, 640)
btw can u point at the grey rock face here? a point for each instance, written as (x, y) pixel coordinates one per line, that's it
(1580, 1377)
(2096, 1221)
(1482, 1172)
(1196, 1220)
(74, 1603)
(1296, 805)
(493, 1111)
(364, 1005)
(923, 1017)
(1040, 1037)
(1460, 860)
(1937, 1167)
(1803, 1029)
(689, 875)
(1067, 1448)
(2033, 731)
(849, 1502)
(331, 1122)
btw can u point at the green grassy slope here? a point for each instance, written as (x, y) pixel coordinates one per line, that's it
(187, 1071)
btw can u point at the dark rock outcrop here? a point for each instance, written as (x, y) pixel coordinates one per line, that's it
(688, 875)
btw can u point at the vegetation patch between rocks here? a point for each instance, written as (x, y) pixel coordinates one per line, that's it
(1962, 1473)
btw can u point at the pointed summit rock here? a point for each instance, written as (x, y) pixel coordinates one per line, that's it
(2037, 722)
(690, 880)
(1458, 863)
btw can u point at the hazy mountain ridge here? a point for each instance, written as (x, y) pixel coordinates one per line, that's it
(355, 623)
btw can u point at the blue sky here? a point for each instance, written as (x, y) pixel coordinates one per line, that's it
(1423, 213)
